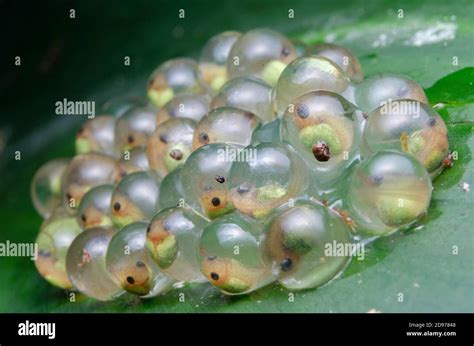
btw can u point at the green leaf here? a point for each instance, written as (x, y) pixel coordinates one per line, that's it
(418, 263)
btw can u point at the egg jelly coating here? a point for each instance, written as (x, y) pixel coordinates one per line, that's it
(230, 255)
(85, 264)
(388, 191)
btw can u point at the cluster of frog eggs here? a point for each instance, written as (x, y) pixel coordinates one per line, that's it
(239, 171)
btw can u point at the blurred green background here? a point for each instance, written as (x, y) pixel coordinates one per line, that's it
(83, 59)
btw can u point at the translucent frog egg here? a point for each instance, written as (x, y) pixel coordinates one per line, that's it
(272, 176)
(342, 56)
(83, 173)
(247, 93)
(97, 136)
(172, 240)
(383, 87)
(46, 186)
(95, 207)
(134, 127)
(231, 256)
(187, 106)
(171, 189)
(54, 238)
(262, 53)
(388, 191)
(85, 264)
(135, 198)
(308, 74)
(119, 105)
(304, 244)
(226, 125)
(130, 265)
(323, 127)
(214, 55)
(411, 127)
(204, 178)
(171, 144)
(134, 160)
(173, 77)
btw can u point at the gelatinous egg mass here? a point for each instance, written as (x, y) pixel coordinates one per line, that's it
(308, 74)
(272, 176)
(230, 255)
(204, 178)
(170, 145)
(388, 190)
(95, 207)
(135, 198)
(248, 93)
(342, 56)
(173, 77)
(187, 106)
(55, 237)
(130, 264)
(226, 125)
(383, 87)
(303, 241)
(262, 53)
(97, 136)
(134, 127)
(214, 55)
(46, 186)
(85, 264)
(172, 239)
(411, 127)
(83, 173)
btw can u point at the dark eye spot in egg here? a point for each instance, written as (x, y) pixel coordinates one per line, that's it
(203, 137)
(176, 154)
(220, 179)
(243, 189)
(302, 110)
(286, 264)
(83, 217)
(376, 179)
(44, 253)
(130, 139)
(163, 138)
(211, 258)
(117, 206)
(140, 264)
(321, 151)
(432, 121)
(68, 196)
(215, 201)
(214, 276)
(130, 280)
(285, 52)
